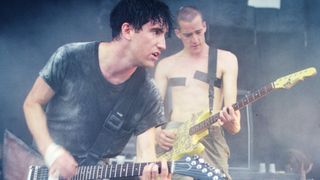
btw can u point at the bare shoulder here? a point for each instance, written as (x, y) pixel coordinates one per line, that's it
(168, 63)
(227, 59)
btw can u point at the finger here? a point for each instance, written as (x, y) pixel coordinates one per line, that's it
(164, 170)
(170, 134)
(54, 173)
(154, 171)
(230, 110)
(226, 114)
(165, 145)
(168, 139)
(146, 172)
(222, 117)
(219, 122)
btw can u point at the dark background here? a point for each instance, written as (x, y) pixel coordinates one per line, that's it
(269, 43)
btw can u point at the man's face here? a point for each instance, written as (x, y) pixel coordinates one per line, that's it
(192, 34)
(148, 43)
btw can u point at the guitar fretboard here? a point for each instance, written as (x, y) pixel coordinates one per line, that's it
(96, 172)
(236, 106)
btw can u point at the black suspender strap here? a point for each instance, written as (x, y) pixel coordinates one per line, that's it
(212, 74)
(117, 116)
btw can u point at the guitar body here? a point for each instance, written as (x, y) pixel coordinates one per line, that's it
(22, 162)
(17, 157)
(185, 144)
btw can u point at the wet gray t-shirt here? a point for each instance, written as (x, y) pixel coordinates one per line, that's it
(83, 100)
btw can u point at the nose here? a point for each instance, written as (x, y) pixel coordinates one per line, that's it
(194, 39)
(162, 43)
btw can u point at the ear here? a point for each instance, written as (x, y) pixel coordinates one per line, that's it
(177, 32)
(204, 23)
(126, 31)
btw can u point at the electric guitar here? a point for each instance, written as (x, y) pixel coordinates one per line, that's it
(188, 166)
(192, 131)
(22, 162)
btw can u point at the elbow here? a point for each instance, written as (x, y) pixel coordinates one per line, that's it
(26, 105)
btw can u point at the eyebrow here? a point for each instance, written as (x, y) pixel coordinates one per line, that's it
(161, 29)
(189, 33)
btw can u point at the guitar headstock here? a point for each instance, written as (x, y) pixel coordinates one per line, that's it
(196, 167)
(292, 79)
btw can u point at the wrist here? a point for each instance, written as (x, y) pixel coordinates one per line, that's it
(52, 153)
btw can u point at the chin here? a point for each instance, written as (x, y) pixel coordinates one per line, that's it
(149, 64)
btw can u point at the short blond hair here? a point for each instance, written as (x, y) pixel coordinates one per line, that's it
(187, 13)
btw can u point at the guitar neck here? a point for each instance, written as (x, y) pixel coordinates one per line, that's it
(254, 96)
(96, 171)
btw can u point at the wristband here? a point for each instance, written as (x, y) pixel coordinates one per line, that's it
(52, 153)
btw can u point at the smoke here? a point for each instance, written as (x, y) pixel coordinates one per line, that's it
(284, 119)
(28, 37)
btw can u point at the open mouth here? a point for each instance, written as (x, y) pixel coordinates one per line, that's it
(156, 54)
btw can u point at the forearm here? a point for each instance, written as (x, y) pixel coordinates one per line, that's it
(37, 124)
(146, 146)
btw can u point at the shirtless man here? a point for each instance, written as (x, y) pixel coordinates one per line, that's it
(191, 96)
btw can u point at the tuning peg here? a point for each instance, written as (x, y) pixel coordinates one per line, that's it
(201, 160)
(195, 156)
(193, 163)
(204, 170)
(217, 171)
(199, 166)
(223, 175)
(188, 159)
(215, 178)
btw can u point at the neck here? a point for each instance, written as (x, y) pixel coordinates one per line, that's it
(202, 53)
(115, 63)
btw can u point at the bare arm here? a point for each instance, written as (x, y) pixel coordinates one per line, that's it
(40, 95)
(163, 137)
(162, 83)
(230, 75)
(146, 153)
(161, 78)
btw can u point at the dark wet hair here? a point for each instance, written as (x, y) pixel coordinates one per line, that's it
(139, 12)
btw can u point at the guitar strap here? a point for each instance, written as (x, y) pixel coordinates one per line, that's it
(212, 74)
(118, 116)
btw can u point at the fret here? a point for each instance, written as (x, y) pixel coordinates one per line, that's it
(235, 106)
(100, 172)
(251, 98)
(127, 165)
(256, 94)
(94, 172)
(133, 169)
(82, 171)
(139, 168)
(263, 91)
(111, 169)
(245, 100)
(115, 171)
(87, 172)
(90, 170)
(240, 104)
(106, 171)
(121, 166)
(77, 174)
